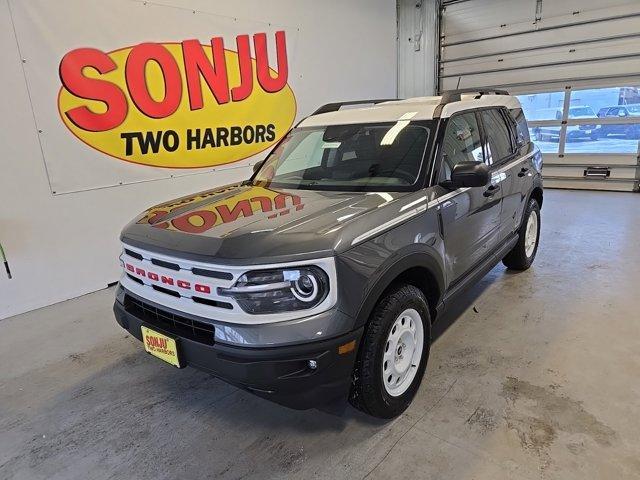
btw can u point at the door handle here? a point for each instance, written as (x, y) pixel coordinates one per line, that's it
(523, 171)
(491, 191)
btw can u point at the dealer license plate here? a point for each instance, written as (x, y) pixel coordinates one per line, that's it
(161, 346)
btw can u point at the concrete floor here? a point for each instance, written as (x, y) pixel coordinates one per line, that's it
(535, 375)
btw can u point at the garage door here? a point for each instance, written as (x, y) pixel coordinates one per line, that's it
(575, 65)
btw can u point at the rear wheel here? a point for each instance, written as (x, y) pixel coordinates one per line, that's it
(524, 252)
(393, 354)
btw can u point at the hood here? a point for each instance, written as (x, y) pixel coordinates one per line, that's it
(243, 222)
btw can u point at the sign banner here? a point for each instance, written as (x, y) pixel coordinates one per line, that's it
(159, 93)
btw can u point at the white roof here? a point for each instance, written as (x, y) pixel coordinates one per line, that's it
(418, 108)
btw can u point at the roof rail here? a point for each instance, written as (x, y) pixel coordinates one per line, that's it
(333, 107)
(449, 96)
(480, 91)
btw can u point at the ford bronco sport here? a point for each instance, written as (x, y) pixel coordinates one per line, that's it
(321, 275)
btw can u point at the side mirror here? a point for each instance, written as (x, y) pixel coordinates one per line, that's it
(258, 166)
(470, 174)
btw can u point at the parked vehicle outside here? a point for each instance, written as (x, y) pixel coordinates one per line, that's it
(630, 131)
(574, 132)
(322, 275)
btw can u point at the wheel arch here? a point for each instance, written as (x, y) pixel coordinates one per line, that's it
(421, 270)
(537, 195)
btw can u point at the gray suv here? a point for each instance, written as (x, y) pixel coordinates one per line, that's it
(321, 276)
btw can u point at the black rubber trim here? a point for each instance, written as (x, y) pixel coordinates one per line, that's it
(162, 263)
(212, 274)
(408, 260)
(133, 254)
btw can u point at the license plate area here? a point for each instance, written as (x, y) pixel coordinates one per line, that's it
(161, 346)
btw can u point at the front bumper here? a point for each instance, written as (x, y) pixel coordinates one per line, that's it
(281, 374)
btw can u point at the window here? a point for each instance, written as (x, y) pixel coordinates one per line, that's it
(616, 112)
(599, 99)
(498, 136)
(601, 121)
(522, 130)
(543, 106)
(581, 112)
(619, 106)
(461, 143)
(547, 138)
(358, 157)
(547, 107)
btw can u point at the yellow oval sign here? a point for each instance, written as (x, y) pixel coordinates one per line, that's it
(178, 105)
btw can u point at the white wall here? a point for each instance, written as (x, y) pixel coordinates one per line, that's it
(62, 246)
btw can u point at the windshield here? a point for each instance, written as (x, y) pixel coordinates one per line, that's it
(633, 109)
(581, 112)
(360, 157)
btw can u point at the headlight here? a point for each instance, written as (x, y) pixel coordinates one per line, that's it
(280, 290)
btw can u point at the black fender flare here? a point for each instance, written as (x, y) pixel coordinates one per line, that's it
(537, 184)
(415, 255)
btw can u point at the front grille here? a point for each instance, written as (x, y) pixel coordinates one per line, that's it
(175, 324)
(133, 254)
(162, 263)
(212, 273)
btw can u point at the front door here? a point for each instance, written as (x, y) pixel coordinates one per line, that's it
(470, 216)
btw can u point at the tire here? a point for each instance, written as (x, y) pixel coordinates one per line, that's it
(523, 253)
(377, 391)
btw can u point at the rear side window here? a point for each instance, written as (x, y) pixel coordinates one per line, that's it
(522, 129)
(498, 136)
(461, 143)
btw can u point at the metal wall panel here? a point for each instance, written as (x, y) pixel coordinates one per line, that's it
(511, 47)
(417, 47)
(532, 46)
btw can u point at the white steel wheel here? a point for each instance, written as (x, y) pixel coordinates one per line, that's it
(531, 234)
(402, 352)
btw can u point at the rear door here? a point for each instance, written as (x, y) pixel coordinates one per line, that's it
(522, 172)
(501, 151)
(470, 216)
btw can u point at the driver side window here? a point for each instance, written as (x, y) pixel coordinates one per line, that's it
(461, 143)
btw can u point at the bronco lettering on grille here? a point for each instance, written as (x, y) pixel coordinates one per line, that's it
(184, 284)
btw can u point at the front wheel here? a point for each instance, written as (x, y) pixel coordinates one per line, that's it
(524, 252)
(393, 354)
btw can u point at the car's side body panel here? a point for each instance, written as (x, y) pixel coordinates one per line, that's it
(373, 265)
